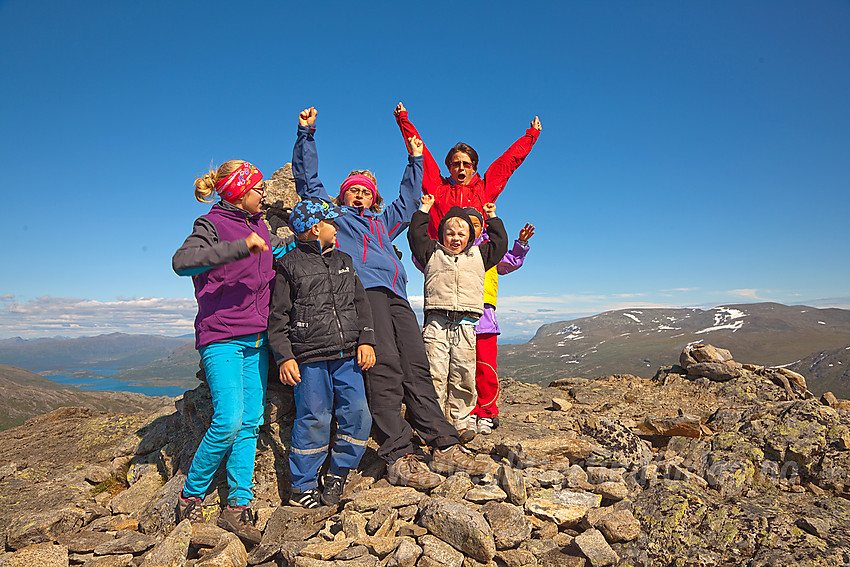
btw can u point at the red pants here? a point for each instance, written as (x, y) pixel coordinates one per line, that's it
(486, 375)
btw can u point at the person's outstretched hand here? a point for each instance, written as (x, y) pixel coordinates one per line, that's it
(526, 232)
(308, 116)
(536, 124)
(426, 202)
(416, 146)
(398, 109)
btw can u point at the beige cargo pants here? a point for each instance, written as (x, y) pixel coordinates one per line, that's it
(451, 355)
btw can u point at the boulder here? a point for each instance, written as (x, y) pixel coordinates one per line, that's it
(465, 529)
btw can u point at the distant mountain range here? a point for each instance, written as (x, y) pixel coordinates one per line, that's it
(115, 350)
(638, 341)
(24, 394)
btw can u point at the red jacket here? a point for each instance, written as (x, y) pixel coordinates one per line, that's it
(448, 194)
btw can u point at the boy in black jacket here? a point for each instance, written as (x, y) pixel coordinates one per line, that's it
(320, 321)
(454, 301)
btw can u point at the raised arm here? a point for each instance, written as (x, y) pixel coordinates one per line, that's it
(496, 247)
(305, 158)
(421, 245)
(500, 171)
(202, 250)
(397, 215)
(516, 256)
(432, 181)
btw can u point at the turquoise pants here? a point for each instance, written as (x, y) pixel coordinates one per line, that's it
(236, 373)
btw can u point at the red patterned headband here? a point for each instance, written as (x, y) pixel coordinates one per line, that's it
(361, 180)
(239, 182)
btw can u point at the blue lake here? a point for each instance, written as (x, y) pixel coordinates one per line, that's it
(99, 381)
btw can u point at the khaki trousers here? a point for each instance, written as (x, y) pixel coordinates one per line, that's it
(451, 355)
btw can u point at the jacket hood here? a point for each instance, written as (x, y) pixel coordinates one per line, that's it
(461, 213)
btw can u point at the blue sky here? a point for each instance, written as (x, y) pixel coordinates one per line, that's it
(692, 154)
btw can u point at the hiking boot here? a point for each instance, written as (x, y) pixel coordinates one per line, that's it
(410, 471)
(191, 508)
(240, 521)
(485, 425)
(332, 491)
(465, 435)
(307, 499)
(457, 458)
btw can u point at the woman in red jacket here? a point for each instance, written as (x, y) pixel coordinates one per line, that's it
(464, 187)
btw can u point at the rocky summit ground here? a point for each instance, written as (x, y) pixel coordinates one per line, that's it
(709, 463)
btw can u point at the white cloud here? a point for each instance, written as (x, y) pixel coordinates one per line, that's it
(72, 317)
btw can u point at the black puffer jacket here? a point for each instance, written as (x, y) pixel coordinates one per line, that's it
(319, 307)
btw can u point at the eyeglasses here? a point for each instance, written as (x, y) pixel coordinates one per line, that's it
(462, 164)
(362, 191)
(261, 190)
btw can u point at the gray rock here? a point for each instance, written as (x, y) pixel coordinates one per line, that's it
(715, 371)
(352, 552)
(486, 493)
(379, 518)
(43, 527)
(392, 496)
(515, 557)
(577, 477)
(465, 529)
(614, 491)
(508, 522)
(84, 541)
(624, 447)
(96, 474)
(513, 483)
(814, 526)
(132, 542)
(324, 550)
(289, 524)
(39, 554)
(544, 477)
(172, 551)
(619, 526)
(561, 404)
(440, 552)
(593, 545)
(353, 524)
(138, 496)
(110, 561)
(405, 555)
(598, 475)
(454, 487)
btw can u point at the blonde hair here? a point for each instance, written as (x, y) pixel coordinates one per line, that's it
(205, 186)
(456, 223)
(377, 204)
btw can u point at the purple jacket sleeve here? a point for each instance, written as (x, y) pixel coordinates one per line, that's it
(513, 259)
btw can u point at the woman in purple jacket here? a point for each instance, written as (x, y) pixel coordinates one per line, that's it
(230, 260)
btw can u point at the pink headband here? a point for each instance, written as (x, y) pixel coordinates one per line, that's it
(361, 180)
(239, 182)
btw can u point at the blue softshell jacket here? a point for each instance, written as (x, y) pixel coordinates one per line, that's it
(365, 236)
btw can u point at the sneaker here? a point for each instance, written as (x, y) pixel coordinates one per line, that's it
(410, 471)
(465, 435)
(332, 491)
(240, 521)
(307, 499)
(191, 508)
(485, 425)
(457, 458)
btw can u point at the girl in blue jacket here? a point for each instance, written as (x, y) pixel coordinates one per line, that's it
(401, 372)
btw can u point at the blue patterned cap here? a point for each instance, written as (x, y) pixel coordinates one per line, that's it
(311, 211)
